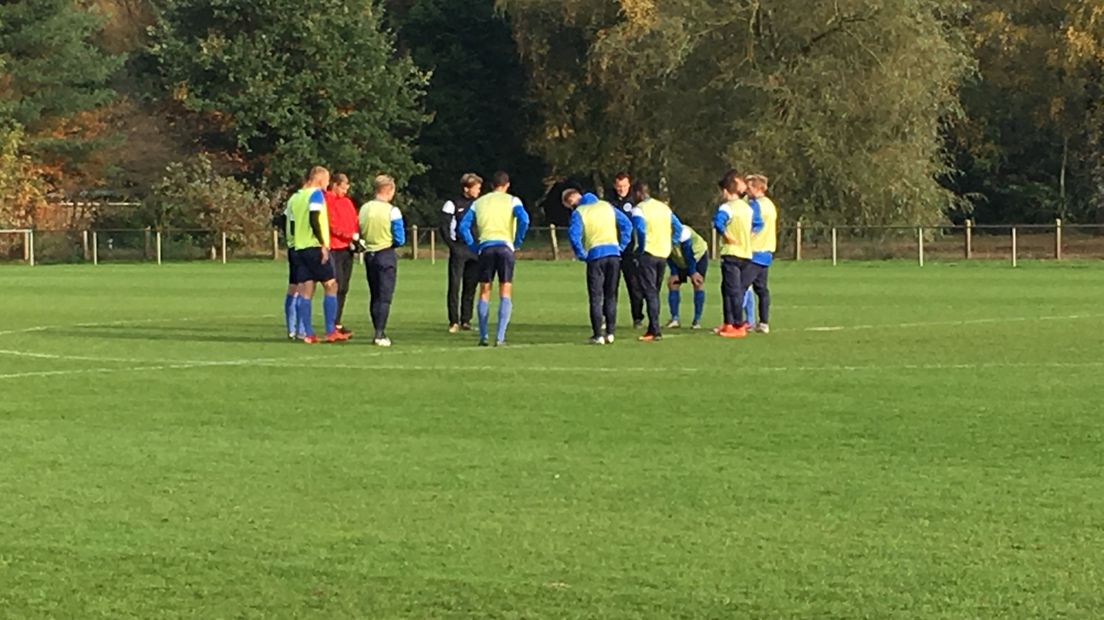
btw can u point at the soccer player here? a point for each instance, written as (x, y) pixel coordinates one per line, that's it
(630, 263)
(502, 223)
(764, 242)
(657, 231)
(291, 299)
(689, 262)
(312, 252)
(463, 266)
(599, 234)
(383, 230)
(733, 222)
(343, 229)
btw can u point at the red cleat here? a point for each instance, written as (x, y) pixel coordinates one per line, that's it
(337, 337)
(311, 340)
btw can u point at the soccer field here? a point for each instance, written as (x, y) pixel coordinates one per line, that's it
(908, 443)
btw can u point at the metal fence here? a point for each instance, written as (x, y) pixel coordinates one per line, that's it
(797, 242)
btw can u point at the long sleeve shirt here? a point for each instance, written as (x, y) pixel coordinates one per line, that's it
(343, 220)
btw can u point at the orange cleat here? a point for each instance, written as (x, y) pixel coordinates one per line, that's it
(734, 332)
(723, 328)
(311, 340)
(337, 337)
(650, 338)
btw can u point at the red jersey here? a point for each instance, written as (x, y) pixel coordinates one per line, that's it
(343, 220)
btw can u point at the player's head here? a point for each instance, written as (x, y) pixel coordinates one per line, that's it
(340, 184)
(570, 198)
(622, 183)
(384, 187)
(471, 185)
(500, 181)
(319, 177)
(641, 191)
(732, 185)
(757, 185)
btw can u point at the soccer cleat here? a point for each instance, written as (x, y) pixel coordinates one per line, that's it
(609, 338)
(484, 343)
(310, 339)
(722, 328)
(674, 324)
(598, 340)
(735, 332)
(763, 328)
(293, 336)
(465, 327)
(500, 343)
(696, 325)
(382, 342)
(649, 337)
(454, 328)
(336, 336)
(347, 332)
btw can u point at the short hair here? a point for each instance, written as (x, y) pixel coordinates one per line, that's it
(500, 179)
(642, 189)
(470, 180)
(568, 194)
(622, 176)
(758, 180)
(316, 172)
(730, 182)
(339, 178)
(383, 181)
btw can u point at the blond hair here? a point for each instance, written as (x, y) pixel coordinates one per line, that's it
(759, 181)
(568, 196)
(470, 180)
(383, 181)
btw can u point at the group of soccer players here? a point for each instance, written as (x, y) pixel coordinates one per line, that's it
(635, 237)
(641, 236)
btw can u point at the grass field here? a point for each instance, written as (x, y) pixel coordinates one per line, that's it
(908, 443)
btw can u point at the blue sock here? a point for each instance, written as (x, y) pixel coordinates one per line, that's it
(699, 305)
(329, 310)
(290, 303)
(749, 308)
(673, 300)
(484, 314)
(305, 316)
(505, 309)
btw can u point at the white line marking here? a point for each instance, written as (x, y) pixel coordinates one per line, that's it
(1020, 319)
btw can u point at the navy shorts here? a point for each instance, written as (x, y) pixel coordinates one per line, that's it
(684, 275)
(293, 267)
(496, 261)
(311, 268)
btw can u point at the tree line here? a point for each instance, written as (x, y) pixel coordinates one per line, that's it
(862, 112)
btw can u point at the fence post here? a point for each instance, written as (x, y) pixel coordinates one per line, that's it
(920, 245)
(432, 246)
(415, 228)
(30, 244)
(275, 245)
(95, 248)
(84, 244)
(713, 246)
(969, 239)
(555, 242)
(158, 246)
(1058, 239)
(145, 255)
(797, 244)
(26, 246)
(835, 257)
(1015, 258)
(223, 248)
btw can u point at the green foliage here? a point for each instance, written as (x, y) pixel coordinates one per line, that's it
(477, 96)
(841, 103)
(283, 85)
(20, 189)
(193, 195)
(54, 72)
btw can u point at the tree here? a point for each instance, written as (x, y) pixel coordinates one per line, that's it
(282, 85)
(842, 103)
(55, 85)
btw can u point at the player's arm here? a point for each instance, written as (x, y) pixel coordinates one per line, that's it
(721, 220)
(463, 230)
(522, 217)
(640, 226)
(688, 254)
(624, 229)
(398, 228)
(575, 235)
(448, 213)
(676, 229)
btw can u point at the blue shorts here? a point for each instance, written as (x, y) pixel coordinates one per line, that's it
(310, 267)
(293, 267)
(496, 261)
(684, 276)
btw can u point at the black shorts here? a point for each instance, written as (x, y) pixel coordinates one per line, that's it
(496, 261)
(684, 276)
(311, 268)
(293, 267)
